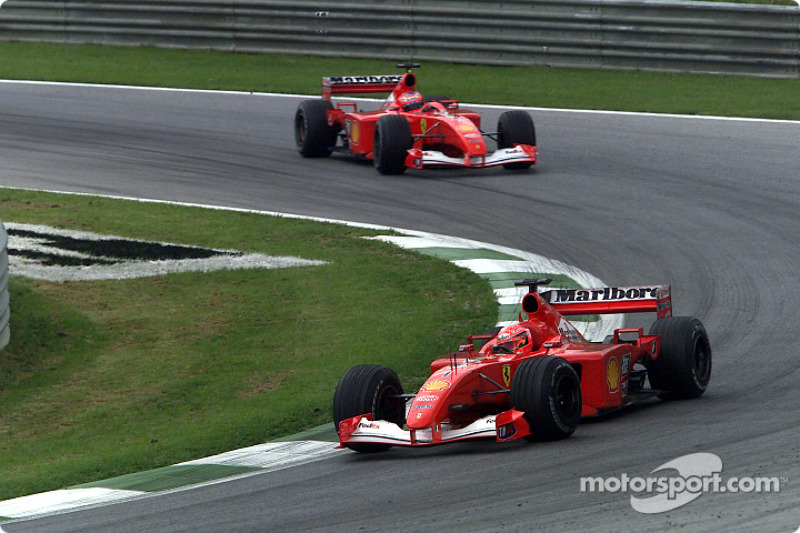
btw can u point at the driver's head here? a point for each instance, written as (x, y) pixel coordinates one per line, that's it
(514, 338)
(412, 101)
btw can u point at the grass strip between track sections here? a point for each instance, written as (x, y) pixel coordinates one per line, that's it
(296, 448)
(105, 379)
(614, 90)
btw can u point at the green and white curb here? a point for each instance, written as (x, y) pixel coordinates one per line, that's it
(500, 266)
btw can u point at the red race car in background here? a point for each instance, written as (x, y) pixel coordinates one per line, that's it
(408, 131)
(533, 379)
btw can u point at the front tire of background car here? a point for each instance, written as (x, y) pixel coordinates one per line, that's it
(548, 390)
(515, 127)
(312, 134)
(682, 369)
(369, 389)
(390, 144)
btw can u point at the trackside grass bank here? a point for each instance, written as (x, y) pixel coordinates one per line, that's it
(104, 378)
(527, 86)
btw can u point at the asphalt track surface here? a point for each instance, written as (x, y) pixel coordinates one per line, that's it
(710, 206)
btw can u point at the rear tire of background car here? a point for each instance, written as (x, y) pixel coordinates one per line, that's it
(369, 389)
(390, 144)
(682, 369)
(515, 127)
(312, 134)
(548, 390)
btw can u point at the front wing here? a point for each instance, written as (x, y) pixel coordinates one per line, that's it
(521, 153)
(504, 427)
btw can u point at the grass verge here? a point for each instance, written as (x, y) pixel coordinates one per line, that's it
(529, 86)
(109, 377)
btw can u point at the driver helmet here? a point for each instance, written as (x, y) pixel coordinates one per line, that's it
(412, 101)
(514, 337)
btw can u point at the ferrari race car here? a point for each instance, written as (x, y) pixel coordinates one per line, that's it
(408, 131)
(533, 379)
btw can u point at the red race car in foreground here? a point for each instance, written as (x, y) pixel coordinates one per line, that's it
(408, 131)
(533, 379)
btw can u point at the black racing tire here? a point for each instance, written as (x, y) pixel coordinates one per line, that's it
(515, 127)
(391, 141)
(548, 390)
(369, 389)
(312, 134)
(682, 369)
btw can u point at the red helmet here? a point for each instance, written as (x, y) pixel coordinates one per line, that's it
(411, 101)
(513, 338)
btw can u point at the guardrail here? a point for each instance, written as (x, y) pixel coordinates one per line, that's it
(5, 310)
(747, 39)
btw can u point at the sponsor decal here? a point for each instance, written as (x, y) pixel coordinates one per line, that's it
(53, 254)
(506, 371)
(466, 127)
(427, 398)
(567, 330)
(355, 132)
(439, 384)
(364, 80)
(423, 124)
(422, 407)
(556, 296)
(626, 364)
(612, 374)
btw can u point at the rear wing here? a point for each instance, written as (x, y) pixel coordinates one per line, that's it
(378, 83)
(607, 300)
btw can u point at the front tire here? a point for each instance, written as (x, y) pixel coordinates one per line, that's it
(369, 389)
(390, 144)
(548, 390)
(515, 127)
(682, 369)
(312, 134)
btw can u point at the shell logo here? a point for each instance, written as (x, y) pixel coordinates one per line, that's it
(613, 375)
(466, 127)
(439, 384)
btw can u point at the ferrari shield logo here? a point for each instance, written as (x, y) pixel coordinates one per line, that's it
(507, 374)
(423, 125)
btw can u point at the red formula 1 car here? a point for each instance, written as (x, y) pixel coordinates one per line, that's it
(533, 379)
(408, 130)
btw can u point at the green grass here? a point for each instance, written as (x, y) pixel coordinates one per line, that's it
(111, 377)
(531, 86)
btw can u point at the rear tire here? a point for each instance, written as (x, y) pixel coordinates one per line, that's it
(369, 389)
(548, 390)
(312, 134)
(683, 367)
(515, 127)
(390, 144)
